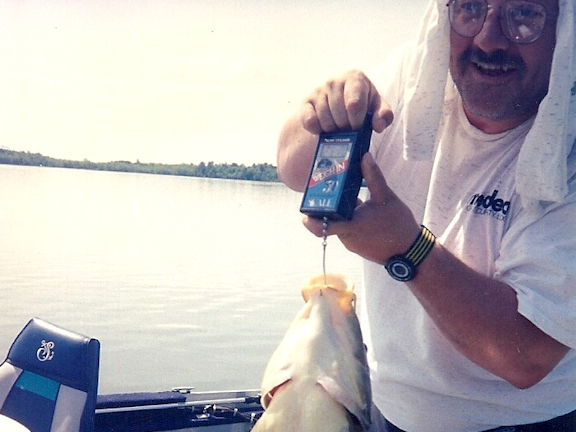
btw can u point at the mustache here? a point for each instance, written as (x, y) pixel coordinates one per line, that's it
(500, 59)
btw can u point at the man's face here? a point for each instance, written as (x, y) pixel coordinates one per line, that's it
(502, 82)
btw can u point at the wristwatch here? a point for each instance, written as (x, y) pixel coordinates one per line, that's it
(403, 267)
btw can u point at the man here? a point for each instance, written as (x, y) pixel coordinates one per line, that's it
(469, 320)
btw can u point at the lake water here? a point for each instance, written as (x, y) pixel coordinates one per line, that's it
(185, 281)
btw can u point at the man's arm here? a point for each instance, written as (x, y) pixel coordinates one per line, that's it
(477, 313)
(296, 149)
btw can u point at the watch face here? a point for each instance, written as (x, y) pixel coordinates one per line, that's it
(400, 268)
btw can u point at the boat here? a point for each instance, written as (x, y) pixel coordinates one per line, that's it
(178, 410)
(49, 381)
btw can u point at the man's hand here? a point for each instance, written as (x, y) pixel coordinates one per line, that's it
(381, 227)
(341, 103)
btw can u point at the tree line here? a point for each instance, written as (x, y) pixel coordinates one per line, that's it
(256, 172)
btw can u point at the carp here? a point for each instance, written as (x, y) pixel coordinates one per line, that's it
(317, 379)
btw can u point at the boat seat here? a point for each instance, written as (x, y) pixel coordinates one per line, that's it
(49, 379)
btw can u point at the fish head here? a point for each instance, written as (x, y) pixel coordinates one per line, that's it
(319, 371)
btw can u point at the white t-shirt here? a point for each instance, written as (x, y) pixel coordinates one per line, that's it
(466, 196)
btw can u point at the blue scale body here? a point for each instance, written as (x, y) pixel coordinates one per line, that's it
(335, 175)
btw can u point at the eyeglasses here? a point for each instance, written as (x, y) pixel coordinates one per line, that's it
(521, 21)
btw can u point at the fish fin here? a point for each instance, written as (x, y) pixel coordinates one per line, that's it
(267, 397)
(359, 409)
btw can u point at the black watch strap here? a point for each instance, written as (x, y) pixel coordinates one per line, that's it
(403, 267)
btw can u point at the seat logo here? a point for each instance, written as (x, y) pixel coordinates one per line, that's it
(45, 352)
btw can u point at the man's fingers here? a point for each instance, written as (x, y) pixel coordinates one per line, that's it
(336, 103)
(383, 115)
(356, 99)
(361, 97)
(309, 118)
(342, 103)
(316, 226)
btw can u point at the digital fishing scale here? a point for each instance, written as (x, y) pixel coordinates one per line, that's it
(335, 175)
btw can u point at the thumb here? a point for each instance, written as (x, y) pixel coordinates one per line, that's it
(375, 180)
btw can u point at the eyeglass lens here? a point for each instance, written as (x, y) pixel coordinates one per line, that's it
(521, 21)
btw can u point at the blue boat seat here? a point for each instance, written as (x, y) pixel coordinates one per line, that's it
(49, 380)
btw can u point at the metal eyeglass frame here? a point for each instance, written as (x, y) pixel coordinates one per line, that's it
(505, 23)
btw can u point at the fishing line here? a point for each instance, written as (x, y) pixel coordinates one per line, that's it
(324, 244)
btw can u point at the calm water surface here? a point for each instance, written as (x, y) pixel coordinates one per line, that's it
(185, 281)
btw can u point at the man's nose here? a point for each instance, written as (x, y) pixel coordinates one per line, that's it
(491, 37)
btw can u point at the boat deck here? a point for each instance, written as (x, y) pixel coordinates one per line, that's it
(178, 410)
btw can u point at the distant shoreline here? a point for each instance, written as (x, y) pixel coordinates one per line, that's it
(256, 172)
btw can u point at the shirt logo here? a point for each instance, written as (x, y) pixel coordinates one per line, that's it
(489, 205)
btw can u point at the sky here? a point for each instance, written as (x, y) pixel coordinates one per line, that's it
(178, 81)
